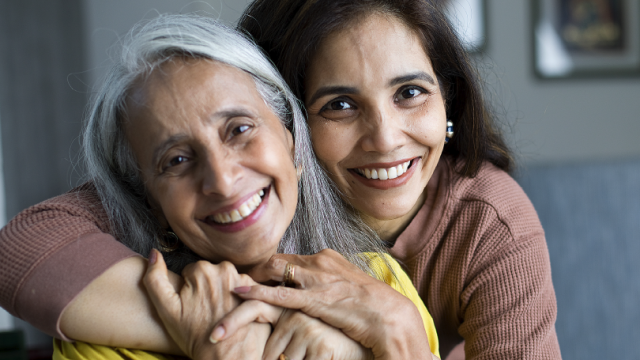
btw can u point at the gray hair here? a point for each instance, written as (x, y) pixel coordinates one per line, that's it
(322, 219)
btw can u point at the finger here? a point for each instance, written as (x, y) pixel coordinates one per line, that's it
(280, 337)
(303, 277)
(297, 347)
(246, 313)
(160, 290)
(273, 270)
(280, 296)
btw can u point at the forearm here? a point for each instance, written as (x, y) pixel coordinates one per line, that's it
(513, 309)
(115, 310)
(404, 336)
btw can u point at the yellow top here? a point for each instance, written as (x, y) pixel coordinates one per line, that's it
(396, 278)
(79, 350)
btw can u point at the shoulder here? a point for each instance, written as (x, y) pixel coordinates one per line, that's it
(79, 205)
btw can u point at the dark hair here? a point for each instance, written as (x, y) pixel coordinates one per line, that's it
(290, 31)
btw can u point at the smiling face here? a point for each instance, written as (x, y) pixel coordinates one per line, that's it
(216, 161)
(377, 118)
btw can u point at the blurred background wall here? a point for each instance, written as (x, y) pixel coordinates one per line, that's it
(576, 143)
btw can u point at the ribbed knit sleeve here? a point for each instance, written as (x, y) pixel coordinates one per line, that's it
(477, 254)
(50, 252)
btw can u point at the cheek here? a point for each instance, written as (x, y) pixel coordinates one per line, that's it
(174, 201)
(429, 126)
(276, 162)
(330, 142)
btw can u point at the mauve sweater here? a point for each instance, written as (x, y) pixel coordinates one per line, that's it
(475, 251)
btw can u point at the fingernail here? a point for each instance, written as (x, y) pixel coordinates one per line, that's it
(217, 335)
(242, 289)
(153, 256)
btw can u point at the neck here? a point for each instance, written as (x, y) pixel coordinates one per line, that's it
(389, 229)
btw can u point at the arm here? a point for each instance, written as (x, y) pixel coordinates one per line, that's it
(509, 306)
(498, 288)
(114, 310)
(63, 273)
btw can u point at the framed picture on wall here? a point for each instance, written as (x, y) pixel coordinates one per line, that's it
(469, 18)
(584, 38)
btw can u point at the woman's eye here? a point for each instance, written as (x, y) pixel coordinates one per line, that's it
(177, 160)
(239, 129)
(409, 93)
(339, 105)
(339, 109)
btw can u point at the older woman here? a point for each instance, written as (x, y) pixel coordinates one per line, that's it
(192, 145)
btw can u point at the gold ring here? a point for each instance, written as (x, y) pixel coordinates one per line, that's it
(289, 273)
(283, 357)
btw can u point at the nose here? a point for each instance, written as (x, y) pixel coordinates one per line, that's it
(383, 131)
(220, 174)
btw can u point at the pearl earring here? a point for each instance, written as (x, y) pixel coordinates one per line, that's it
(449, 131)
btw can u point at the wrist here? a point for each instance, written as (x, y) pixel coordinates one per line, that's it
(405, 336)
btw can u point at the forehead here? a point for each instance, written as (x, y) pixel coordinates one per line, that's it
(191, 86)
(377, 42)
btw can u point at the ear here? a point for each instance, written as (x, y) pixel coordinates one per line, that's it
(290, 142)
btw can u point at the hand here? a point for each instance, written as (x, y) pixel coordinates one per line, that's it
(300, 336)
(340, 294)
(190, 311)
(296, 334)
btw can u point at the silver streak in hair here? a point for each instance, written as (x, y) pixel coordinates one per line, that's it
(322, 220)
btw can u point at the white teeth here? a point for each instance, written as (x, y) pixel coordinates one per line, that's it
(393, 173)
(235, 216)
(242, 212)
(385, 174)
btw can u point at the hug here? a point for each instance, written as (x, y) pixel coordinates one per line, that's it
(196, 148)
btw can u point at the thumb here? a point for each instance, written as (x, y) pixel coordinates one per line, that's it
(161, 292)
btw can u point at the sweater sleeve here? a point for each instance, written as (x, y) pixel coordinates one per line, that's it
(51, 252)
(508, 304)
(507, 301)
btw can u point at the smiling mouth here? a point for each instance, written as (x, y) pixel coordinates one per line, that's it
(384, 173)
(243, 211)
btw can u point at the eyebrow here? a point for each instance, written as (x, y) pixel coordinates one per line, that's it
(410, 77)
(232, 113)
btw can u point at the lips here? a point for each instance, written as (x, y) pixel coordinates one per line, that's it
(243, 211)
(241, 216)
(387, 175)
